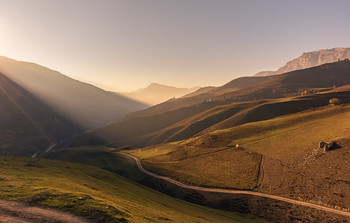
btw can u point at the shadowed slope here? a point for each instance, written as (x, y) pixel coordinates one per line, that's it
(83, 103)
(259, 102)
(295, 82)
(26, 124)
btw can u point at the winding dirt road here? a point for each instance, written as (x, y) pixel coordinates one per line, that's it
(19, 212)
(231, 191)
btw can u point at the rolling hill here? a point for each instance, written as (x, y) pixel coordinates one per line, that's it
(280, 156)
(97, 194)
(157, 93)
(27, 125)
(201, 95)
(262, 101)
(85, 104)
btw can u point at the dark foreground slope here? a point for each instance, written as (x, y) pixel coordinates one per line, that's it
(26, 124)
(89, 106)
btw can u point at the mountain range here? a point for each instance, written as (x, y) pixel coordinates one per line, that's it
(259, 133)
(182, 118)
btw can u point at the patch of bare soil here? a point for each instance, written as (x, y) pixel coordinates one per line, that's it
(19, 212)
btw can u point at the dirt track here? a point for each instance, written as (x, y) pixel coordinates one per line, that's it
(231, 191)
(18, 212)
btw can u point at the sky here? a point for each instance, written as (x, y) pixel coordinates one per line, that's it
(123, 45)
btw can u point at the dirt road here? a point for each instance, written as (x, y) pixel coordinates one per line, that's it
(231, 191)
(19, 212)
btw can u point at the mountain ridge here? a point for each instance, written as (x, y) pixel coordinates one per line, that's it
(310, 59)
(91, 107)
(26, 123)
(182, 118)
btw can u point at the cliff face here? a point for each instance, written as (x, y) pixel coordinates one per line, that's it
(311, 59)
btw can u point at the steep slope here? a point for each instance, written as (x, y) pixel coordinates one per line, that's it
(85, 104)
(211, 117)
(311, 59)
(158, 93)
(234, 108)
(296, 82)
(238, 89)
(240, 83)
(26, 124)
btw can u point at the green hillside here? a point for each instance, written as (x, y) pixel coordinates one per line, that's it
(97, 194)
(214, 160)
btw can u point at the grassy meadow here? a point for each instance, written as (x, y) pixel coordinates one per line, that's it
(97, 194)
(214, 160)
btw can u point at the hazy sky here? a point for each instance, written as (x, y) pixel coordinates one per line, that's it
(128, 44)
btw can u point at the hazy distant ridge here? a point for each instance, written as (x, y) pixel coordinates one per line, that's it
(157, 93)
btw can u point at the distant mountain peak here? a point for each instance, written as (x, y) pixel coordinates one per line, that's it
(156, 93)
(311, 59)
(155, 84)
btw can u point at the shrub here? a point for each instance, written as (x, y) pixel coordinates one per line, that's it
(335, 101)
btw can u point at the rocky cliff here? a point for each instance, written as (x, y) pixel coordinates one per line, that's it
(311, 59)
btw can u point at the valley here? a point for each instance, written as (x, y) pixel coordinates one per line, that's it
(233, 153)
(174, 111)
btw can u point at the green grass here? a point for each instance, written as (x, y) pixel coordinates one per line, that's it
(211, 160)
(98, 194)
(154, 150)
(222, 167)
(99, 156)
(291, 136)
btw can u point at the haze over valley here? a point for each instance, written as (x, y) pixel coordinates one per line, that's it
(174, 111)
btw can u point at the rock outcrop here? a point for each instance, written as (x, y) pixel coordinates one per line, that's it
(327, 146)
(311, 59)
